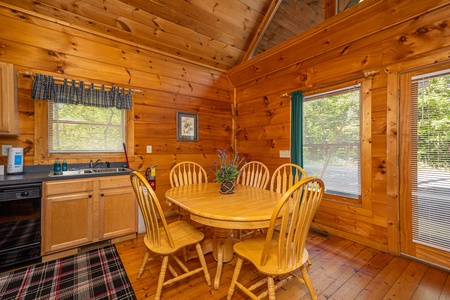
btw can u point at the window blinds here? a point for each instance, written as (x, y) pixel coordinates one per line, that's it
(430, 159)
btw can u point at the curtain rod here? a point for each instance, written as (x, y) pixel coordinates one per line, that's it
(60, 79)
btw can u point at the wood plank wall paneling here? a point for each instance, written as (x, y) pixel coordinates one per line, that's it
(380, 34)
(166, 85)
(370, 37)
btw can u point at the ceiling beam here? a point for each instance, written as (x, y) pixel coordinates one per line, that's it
(330, 8)
(262, 29)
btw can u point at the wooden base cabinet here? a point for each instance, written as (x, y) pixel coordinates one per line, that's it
(79, 212)
(118, 208)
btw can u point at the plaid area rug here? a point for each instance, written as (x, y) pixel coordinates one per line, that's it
(97, 274)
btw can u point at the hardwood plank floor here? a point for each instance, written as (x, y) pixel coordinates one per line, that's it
(341, 270)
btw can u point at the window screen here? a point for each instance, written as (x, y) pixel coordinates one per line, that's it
(430, 159)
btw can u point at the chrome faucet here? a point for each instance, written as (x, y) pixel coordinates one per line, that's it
(94, 164)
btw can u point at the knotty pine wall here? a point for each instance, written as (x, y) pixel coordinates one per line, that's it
(35, 44)
(370, 43)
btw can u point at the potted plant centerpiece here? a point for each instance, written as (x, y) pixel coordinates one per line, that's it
(227, 172)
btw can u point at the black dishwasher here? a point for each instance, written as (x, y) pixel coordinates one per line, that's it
(20, 225)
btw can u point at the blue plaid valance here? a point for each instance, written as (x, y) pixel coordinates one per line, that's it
(45, 88)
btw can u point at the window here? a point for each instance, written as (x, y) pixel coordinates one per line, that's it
(430, 159)
(79, 128)
(332, 140)
(342, 5)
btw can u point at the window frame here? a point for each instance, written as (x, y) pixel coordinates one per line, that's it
(363, 204)
(402, 76)
(41, 151)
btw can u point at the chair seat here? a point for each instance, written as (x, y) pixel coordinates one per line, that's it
(251, 250)
(183, 234)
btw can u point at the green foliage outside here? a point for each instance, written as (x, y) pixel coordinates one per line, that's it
(78, 128)
(331, 131)
(433, 123)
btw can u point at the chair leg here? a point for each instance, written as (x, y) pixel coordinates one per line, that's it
(162, 275)
(234, 279)
(308, 282)
(203, 263)
(271, 288)
(144, 262)
(185, 256)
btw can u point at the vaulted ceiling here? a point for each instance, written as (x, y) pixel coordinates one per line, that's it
(215, 33)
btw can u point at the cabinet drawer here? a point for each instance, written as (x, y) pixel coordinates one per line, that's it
(67, 186)
(113, 182)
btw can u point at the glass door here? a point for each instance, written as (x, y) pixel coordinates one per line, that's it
(425, 165)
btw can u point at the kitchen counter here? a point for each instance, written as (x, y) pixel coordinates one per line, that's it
(38, 174)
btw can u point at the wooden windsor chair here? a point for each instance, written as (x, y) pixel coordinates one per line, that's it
(165, 239)
(278, 253)
(187, 172)
(255, 174)
(284, 177)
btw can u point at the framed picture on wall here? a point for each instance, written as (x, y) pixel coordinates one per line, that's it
(187, 126)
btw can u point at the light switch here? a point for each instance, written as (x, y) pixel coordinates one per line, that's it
(5, 149)
(285, 153)
(149, 149)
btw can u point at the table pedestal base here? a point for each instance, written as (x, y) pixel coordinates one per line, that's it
(222, 251)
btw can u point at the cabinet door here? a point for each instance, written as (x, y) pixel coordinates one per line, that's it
(67, 214)
(8, 100)
(67, 221)
(117, 213)
(118, 208)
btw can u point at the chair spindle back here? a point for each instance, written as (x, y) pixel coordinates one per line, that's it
(291, 221)
(151, 210)
(254, 174)
(187, 172)
(285, 176)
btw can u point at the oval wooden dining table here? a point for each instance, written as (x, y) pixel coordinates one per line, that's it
(246, 208)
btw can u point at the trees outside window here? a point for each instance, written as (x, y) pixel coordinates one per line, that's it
(331, 140)
(79, 128)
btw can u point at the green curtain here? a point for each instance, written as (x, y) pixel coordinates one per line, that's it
(297, 128)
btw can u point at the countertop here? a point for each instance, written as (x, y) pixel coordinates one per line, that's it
(40, 173)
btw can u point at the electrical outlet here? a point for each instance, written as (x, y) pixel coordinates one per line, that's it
(5, 149)
(149, 149)
(285, 153)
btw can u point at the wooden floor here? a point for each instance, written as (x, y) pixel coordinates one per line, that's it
(340, 269)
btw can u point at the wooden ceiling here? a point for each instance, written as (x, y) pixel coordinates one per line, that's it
(215, 33)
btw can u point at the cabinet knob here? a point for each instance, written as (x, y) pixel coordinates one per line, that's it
(102, 195)
(25, 194)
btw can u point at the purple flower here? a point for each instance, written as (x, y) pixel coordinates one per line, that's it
(227, 171)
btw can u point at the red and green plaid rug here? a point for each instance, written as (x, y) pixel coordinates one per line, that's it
(97, 274)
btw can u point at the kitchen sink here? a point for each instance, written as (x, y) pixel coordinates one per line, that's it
(90, 172)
